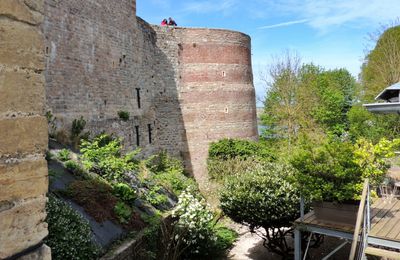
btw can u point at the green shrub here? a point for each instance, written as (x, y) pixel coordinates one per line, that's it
(195, 224)
(151, 238)
(49, 156)
(124, 192)
(123, 115)
(103, 154)
(64, 155)
(77, 127)
(335, 171)
(225, 238)
(219, 169)
(69, 233)
(168, 172)
(71, 165)
(51, 121)
(163, 162)
(265, 196)
(328, 172)
(154, 197)
(123, 211)
(235, 148)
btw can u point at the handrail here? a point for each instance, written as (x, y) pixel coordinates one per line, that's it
(361, 218)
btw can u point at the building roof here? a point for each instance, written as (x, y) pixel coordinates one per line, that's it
(389, 92)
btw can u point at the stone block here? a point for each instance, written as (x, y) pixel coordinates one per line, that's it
(21, 91)
(21, 45)
(25, 11)
(42, 253)
(22, 180)
(22, 226)
(22, 136)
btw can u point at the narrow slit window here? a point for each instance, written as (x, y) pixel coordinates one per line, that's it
(150, 133)
(138, 97)
(137, 136)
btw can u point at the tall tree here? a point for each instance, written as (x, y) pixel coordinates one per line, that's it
(280, 105)
(306, 100)
(381, 66)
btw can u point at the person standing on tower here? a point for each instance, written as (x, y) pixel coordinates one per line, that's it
(172, 22)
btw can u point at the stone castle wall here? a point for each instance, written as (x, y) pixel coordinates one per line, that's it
(98, 63)
(23, 132)
(195, 85)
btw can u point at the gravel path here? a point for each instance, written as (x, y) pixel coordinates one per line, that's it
(250, 246)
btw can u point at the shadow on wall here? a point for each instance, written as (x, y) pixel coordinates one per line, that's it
(102, 59)
(171, 134)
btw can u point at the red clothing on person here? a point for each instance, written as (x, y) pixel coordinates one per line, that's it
(164, 22)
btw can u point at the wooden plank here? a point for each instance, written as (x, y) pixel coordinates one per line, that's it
(388, 222)
(393, 226)
(310, 219)
(310, 215)
(380, 208)
(379, 228)
(306, 216)
(382, 252)
(333, 225)
(383, 211)
(377, 206)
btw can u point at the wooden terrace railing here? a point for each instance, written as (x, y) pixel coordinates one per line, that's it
(363, 225)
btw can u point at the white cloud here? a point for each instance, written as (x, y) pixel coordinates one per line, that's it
(322, 14)
(224, 6)
(283, 24)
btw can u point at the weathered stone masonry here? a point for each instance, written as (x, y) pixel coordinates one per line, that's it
(23, 131)
(194, 86)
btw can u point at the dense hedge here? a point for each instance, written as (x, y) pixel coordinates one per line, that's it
(236, 148)
(265, 196)
(69, 233)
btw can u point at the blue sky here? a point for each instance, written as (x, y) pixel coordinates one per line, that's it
(329, 33)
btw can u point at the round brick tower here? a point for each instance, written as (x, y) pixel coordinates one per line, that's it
(215, 89)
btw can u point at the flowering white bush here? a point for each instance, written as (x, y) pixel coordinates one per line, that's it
(195, 223)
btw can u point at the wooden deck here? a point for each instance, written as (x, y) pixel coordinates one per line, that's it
(385, 224)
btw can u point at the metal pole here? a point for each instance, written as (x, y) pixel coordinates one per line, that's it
(297, 244)
(308, 246)
(335, 250)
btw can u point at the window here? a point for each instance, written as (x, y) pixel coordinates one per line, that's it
(150, 132)
(138, 97)
(137, 136)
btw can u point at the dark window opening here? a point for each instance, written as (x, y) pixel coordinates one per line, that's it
(137, 136)
(105, 102)
(138, 97)
(150, 132)
(47, 50)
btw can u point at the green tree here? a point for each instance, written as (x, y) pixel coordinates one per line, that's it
(381, 66)
(281, 108)
(306, 100)
(264, 196)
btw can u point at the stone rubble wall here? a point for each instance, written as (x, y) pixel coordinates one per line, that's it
(196, 85)
(23, 131)
(96, 58)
